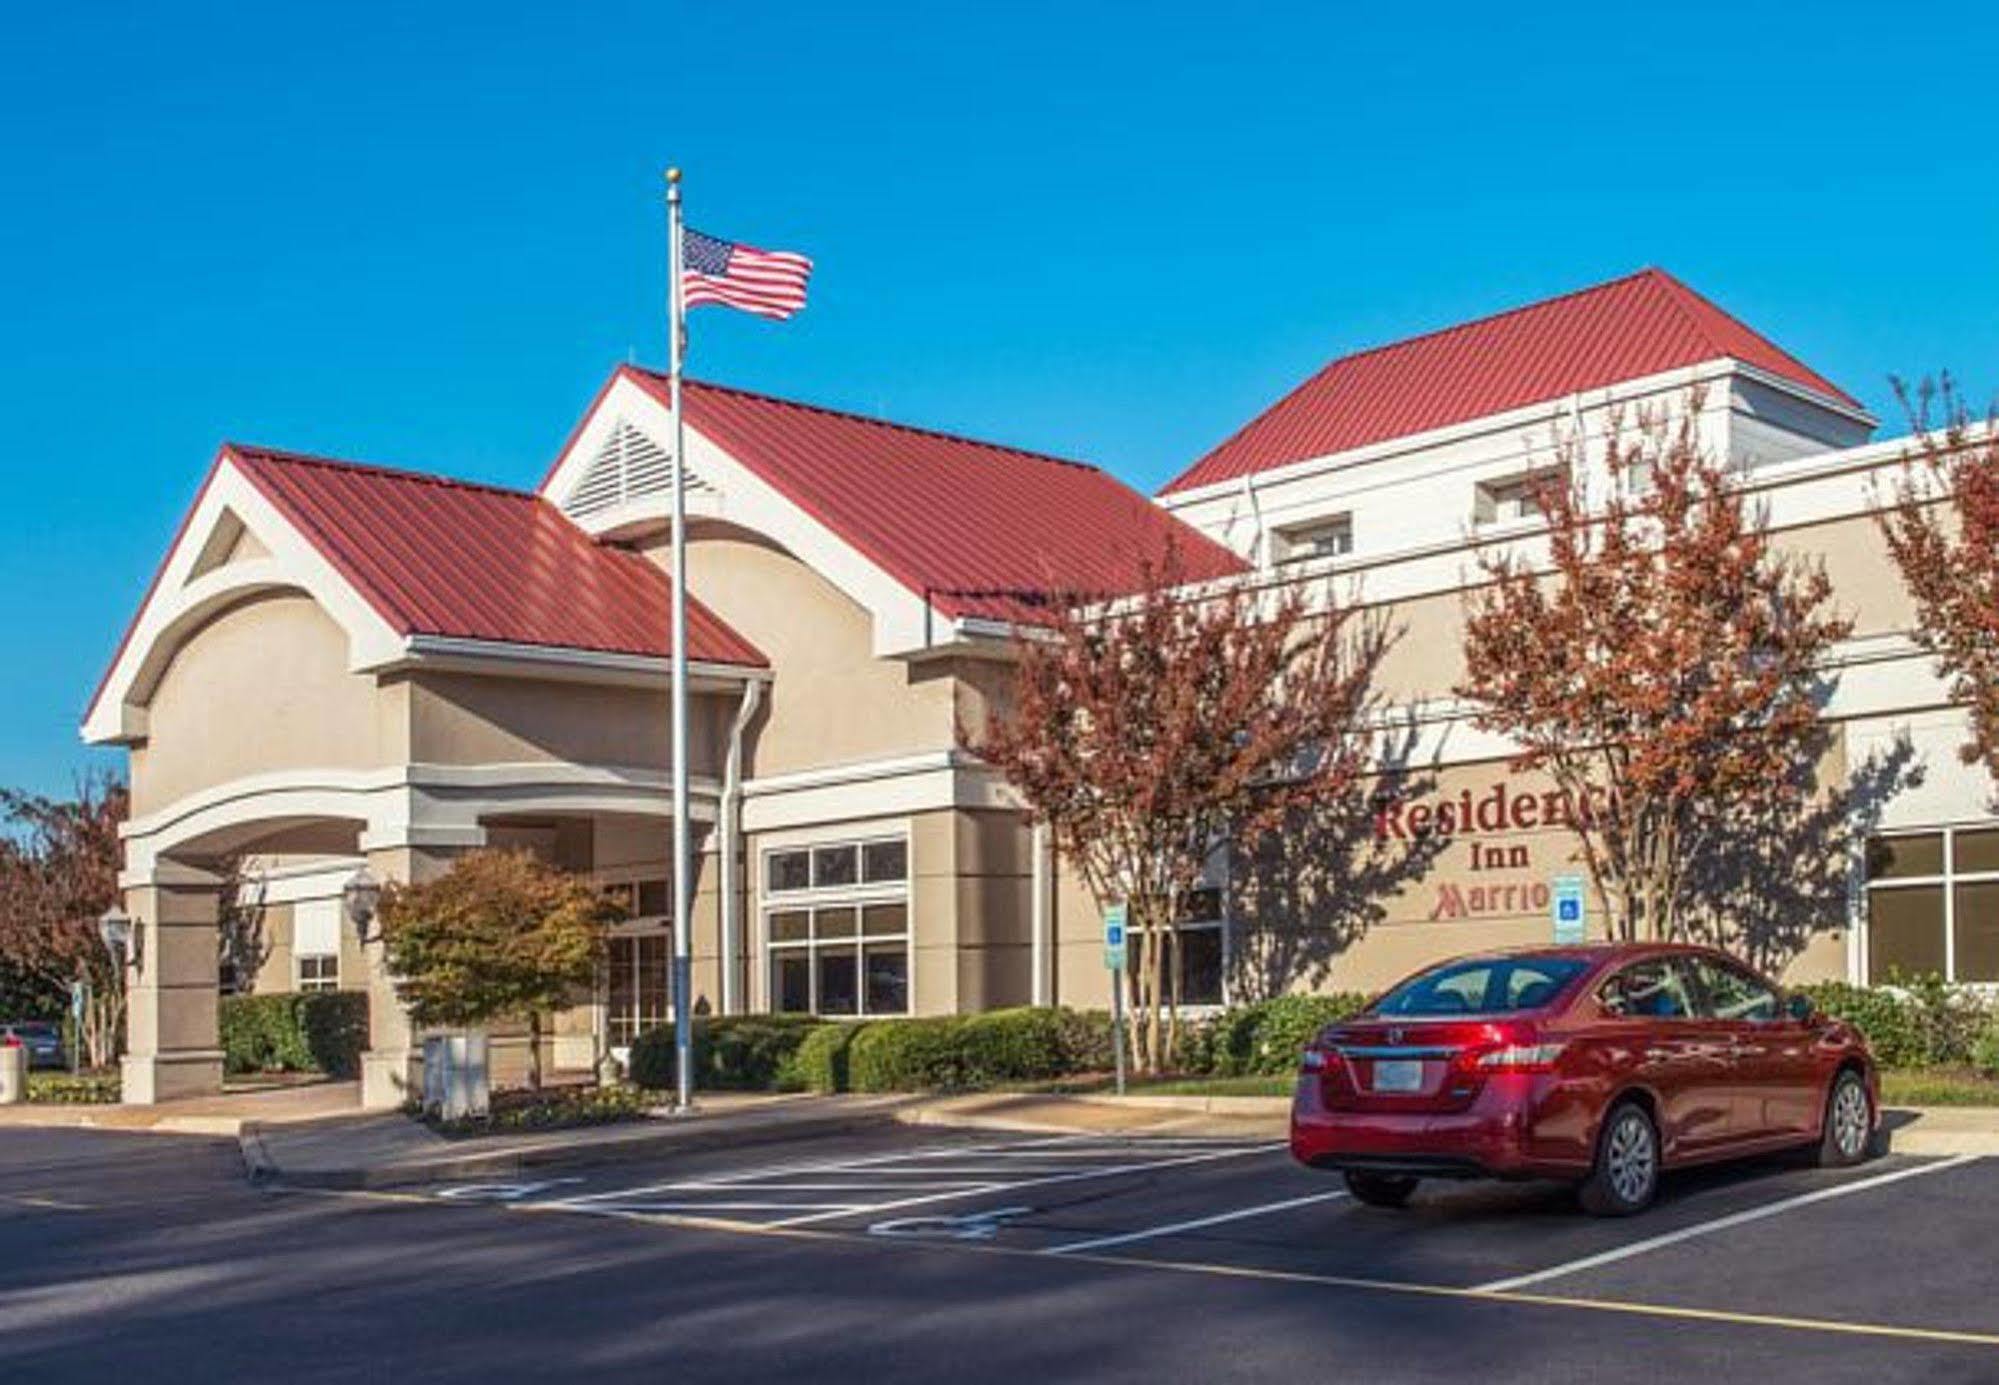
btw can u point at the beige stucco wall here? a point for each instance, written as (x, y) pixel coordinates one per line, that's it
(470, 719)
(832, 702)
(261, 687)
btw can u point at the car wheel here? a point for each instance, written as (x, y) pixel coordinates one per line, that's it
(1626, 1175)
(1380, 1189)
(1849, 1122)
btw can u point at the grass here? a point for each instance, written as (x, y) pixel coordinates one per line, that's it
(1899, 1087)
(1938, 1087)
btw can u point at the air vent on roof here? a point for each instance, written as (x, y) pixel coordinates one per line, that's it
(628, 466)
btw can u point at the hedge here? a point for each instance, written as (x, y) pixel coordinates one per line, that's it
(731, 1053)
(820, 1064)
(959, 1052)
(1265, 1038)
(1913, 1022)
(305, 1031)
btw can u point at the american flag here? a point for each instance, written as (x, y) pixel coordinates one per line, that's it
(769, 283)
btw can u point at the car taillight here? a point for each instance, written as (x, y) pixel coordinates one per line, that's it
(1312, 1060)
(1521, 1058)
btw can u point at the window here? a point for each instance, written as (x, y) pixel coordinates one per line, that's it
(1933, 904)
(1733, 994)
(637, 984)
(1331, 538)
(1655, 989)
(320, 972)
(1512, 497)
(839, 942)
(642, 899)
(1485, 986)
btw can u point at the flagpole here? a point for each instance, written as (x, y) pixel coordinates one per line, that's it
(680, 875)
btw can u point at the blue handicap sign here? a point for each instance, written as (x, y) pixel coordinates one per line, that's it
(1570, 916)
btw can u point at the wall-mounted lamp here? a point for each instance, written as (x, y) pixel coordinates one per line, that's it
(359, 896)
(122, 937)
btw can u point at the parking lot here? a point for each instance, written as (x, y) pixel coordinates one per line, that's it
(1897, 1249)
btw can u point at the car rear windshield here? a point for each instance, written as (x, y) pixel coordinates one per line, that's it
(40, 1029)
(1486, 986)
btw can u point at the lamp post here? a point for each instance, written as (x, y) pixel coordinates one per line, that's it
(121, 936)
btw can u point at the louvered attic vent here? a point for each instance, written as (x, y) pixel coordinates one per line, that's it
(627, 466)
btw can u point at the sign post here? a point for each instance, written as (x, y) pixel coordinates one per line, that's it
(1567, 910)
(79, 1002)
(1114, 958)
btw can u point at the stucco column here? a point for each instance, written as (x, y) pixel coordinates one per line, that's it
(392, 1066)
(172, 1049)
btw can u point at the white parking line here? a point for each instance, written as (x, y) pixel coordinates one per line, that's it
(1708, 1228)
(1044, 1180)
(1150, 1233)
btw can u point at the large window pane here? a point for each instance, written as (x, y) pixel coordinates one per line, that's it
(839, 981)
(654, 899)
(888, 979)
(1900, 858)
(1975, 919)
(1904, 931)
(1975, 851)
(885, 920)
(885, 862)
(1200, 966)
(833, 866)
(791, 983)
(833, 923)
(788, 870)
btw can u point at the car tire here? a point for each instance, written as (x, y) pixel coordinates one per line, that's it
(1847, 1132)
(1625, 1177)
(1380, 1189)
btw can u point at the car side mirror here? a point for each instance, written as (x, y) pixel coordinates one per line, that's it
(1799, 1007)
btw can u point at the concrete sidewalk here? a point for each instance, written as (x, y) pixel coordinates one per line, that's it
(270, 1103)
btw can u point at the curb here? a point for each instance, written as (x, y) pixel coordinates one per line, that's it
(263, 1170)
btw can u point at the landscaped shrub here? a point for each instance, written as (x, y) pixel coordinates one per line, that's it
(84, 1089)
(956, 1053)
(1910, 1022)
(1264, 1038)
(731, 1053)
(820, 1062)
(302, 1031)
(907, 1056)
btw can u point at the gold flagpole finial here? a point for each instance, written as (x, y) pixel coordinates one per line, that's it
(672, 175)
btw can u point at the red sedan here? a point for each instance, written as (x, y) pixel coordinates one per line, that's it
(1598, 1065)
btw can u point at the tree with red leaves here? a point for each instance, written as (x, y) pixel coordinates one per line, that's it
(1662, 665)
(1943, 531)
(1159, 731)
(58, 874)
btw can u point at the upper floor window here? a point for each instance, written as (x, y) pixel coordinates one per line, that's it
(1332, 538)
(1508, 498)
(837, 866)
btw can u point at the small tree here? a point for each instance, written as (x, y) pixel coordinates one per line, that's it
(1155, 731)
(1665, 672)
(1943, 531)
(58, 874)
(501, 935)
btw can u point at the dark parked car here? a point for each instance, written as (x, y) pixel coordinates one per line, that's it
(1599, 1065)
(41, 1038)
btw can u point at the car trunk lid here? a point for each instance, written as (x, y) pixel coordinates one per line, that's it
(1410, 1065)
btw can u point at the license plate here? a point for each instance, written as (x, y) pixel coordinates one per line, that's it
(1398, 1075)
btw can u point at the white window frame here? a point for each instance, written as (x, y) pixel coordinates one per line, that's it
(1495, 492)
(857, 896)
(636, 926)
(319, 983)
(1947, 882)
(1299, 543)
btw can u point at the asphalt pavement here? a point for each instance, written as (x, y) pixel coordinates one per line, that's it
(915, 1254)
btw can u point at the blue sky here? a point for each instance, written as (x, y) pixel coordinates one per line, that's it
(423, 235)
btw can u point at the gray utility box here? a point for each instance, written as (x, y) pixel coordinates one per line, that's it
(457, 1081)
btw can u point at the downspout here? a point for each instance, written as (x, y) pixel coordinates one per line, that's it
(732, 812)
(1043, 920)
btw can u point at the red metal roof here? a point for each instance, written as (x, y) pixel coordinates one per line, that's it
(1628, 328)
(978, 529)
(441, 557)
